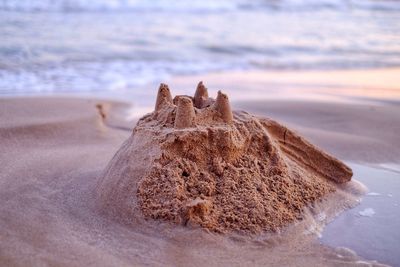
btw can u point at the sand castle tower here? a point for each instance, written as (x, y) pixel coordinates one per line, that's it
(223, 107)
(163, 97)
(185, 116)
(191, 111)
(200, 96)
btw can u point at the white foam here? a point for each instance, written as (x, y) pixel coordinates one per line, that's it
(314, 229)
(111, 5)
(373, 194)
(390, 166)
(184, 5)
(101, 76)
(368, 212)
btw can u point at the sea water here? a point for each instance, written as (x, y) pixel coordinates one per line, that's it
(371, 229)
(64, 46)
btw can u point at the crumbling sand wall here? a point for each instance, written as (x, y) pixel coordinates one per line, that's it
(194, 161)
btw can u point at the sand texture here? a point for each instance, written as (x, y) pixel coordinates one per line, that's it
(194, 161)
(54, 150)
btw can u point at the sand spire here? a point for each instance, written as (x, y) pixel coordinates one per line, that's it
(223, 106)
(185, 113)
(163, 96)
(200, 96)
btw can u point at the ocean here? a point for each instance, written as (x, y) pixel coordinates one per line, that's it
(70, 46)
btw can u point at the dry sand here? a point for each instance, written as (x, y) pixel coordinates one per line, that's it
(53, 150)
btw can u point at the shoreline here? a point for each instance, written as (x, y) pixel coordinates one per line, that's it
(376, 84)
(367, 227)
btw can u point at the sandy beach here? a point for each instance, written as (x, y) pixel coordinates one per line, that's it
(53, 150)
(199, 133)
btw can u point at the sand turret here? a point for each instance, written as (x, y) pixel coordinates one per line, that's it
(163, 96)
(185, 111)
(185, 115)
(223, 106)
(200, 96)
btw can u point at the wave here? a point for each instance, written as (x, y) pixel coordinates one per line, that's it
(117, 5)
(123, 76)
(193, 5)
(102, 76)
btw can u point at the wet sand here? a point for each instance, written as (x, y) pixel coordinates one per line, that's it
(54, 149)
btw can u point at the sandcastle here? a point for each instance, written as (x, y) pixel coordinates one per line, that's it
(193, 161)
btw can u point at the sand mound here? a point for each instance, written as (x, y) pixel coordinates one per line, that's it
(194, 161)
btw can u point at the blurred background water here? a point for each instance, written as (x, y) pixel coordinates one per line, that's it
(50, 46)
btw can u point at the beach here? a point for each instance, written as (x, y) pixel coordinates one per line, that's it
(54, 149)
(199, 133)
